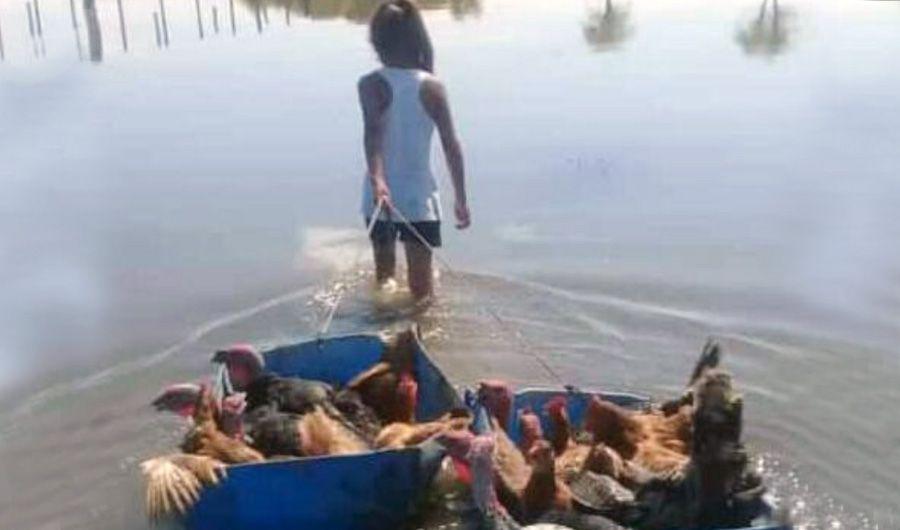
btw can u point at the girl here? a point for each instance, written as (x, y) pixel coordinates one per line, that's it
(402, 104)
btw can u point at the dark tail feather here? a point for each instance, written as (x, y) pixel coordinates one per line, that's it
(578, 521)
(709, 358)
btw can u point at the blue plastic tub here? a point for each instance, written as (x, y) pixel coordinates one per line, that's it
(371, 491)
(577, 400)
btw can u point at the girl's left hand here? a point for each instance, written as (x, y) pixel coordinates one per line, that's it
(463, 217)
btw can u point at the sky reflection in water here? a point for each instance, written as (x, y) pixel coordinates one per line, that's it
(169, 162)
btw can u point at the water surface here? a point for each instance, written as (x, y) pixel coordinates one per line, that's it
(643, 175)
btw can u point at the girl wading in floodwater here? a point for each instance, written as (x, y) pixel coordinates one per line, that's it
(402, 103)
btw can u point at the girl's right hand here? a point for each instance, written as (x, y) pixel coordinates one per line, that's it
(463, 217)
(381, 193)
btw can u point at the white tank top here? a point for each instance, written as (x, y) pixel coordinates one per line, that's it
(407, 150)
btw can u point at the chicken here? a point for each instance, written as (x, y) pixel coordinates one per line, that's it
(180, 399)
(716, 490)
(173, 482)
(605, 461)
(389, 387)
(497, 398)
(530, 430)
(480, 453)
(364, 420)
(246, 373)
(315, 433)
(659, 439)
(217, 430)
(205, 438)
(288, 394)
(397, 435)
(643, 437)
(293, 395)
(513, 470)
(544, 490)
(570, 456)
(320, 435)
(390, 394)
(526, 489)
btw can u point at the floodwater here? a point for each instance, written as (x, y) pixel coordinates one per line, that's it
(643, 175)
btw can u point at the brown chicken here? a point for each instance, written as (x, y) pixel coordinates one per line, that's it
(570, 456)
(650, 439)
(497, 398)
(315, 433)
(206, 438)
(183, 399)
(480, 453)
(527, 486)
(389, 387)
(320, 435)
(173, 482)
(397, 435)
(544, 490)
(659, 439)
(530, 430)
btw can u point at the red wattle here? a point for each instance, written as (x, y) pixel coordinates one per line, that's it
(463, 471)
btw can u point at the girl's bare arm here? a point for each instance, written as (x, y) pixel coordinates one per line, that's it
(434, 99)
(374, 99)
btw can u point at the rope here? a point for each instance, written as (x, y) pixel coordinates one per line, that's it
(329, 317)
(503, 323)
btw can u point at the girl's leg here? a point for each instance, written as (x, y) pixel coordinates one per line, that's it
(418, 262)
(385, 260)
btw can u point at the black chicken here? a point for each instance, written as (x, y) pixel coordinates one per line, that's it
(270, 397)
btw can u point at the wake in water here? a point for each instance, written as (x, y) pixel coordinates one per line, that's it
(592, 339)
(809, 509)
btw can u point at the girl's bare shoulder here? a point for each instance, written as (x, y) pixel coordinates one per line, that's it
(374, 90)
(372, 82)
(432, 91)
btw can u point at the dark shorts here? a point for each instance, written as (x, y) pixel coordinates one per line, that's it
(385, 232)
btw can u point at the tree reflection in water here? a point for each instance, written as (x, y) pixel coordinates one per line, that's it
(94, 35)
(607, 27)
(769, 32)
(361, 10)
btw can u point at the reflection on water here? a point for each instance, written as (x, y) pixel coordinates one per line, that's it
(607, 27)
(95, 36)
(140, 25)
(165, 196)
(358, 10)
(769, 32)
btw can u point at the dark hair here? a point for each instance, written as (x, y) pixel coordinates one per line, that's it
(398, 34)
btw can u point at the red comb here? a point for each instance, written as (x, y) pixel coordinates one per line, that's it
(556, 404)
